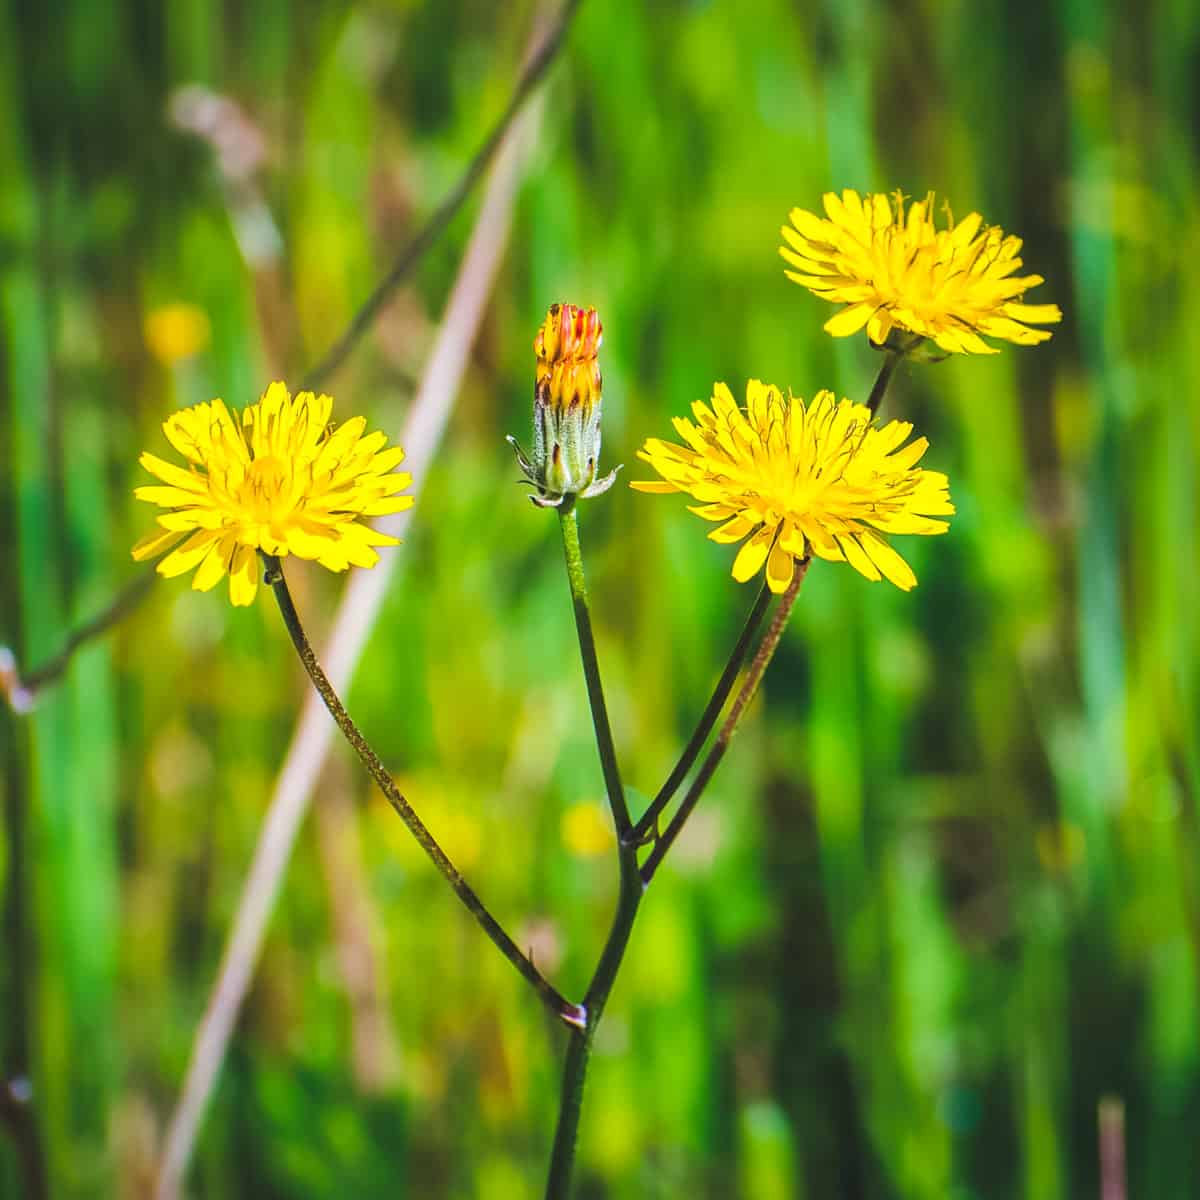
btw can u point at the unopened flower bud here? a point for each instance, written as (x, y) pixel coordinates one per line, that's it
(566, 409)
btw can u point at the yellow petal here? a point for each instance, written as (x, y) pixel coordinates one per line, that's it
(388, 460)
(188, 555)
(879, 326)
(894, 568)
(809, 225)
(358, 555)
(212, 570)
(856, 556)
(166, 497)
(154, 543)
(1039, 314)
(966, 229)
(823, 544)
(834, 208)
(884, 441)
(849, 320)
(711, 512)
(243, 576)
(1013, 331)
(901, 460)
(383, 508)
(780, 568)
(169, 473)
(751, 556)
(792, 540)
(734, 530)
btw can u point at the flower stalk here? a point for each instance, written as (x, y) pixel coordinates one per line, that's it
(648, 824)
(570, 1014)
(569, 524)
(758, 666)
(579, 1050)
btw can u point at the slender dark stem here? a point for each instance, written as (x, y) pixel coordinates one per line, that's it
(570, 1106)
(562, 1160)
(754, 674)
(891, 359)
(635, 881)
(708, 718)
(591, 670)
(579, 1052)
(570, 1013)
(535, 68)
(23, 690)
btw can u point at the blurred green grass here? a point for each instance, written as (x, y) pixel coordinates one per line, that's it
(942, 898)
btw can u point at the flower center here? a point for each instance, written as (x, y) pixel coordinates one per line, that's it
(266, 489)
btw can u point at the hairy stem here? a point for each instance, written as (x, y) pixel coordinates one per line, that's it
(562, 1160)
(708, 718)
(558, 1004)
(892, 355)
(754, 674)
(591, 670)
(579, 1051)
(891, 359)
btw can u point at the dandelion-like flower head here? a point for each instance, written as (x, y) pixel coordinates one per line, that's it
(276, 478)
(788, 479)
(892, 267)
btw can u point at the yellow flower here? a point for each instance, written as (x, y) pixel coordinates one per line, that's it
(278, 478)
(796, 480)
(895, 269)
(175, 332)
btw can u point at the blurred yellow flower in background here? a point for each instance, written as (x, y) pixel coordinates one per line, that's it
(893, 268)
(586, 832)
(176, 331)
(277, 478)
(795, 480)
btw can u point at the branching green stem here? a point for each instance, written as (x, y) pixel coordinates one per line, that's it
(663, 843)
(562, 1008)
(591, 671)
(891, 360)
(754, 674)
(579, 1051)
(649, 819)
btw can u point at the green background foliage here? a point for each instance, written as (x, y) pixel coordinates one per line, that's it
(942, 899)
